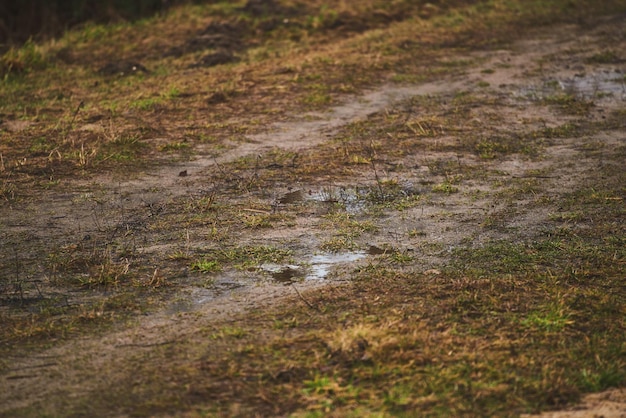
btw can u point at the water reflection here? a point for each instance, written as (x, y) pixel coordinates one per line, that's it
(322, 263)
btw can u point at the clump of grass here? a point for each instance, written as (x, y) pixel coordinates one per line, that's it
(325, 18)
(317, 98)
(488, 149)
(120, 149)
(570, 104)
(8, 190)
(146, 104)
(174, 146)
(107, 274)
(445, 187)
(229, 332)
(29, 57)
(206, 266)
(241, 257)
(94, 268)
(345, 230)
(604, 57)
(256, 221)
(552, 317)
(567, 130)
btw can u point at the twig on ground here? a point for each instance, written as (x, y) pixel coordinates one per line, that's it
(304, 300)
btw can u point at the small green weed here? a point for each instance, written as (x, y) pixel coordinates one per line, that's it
(318, 98)
(174, 146)
(345, 230)
(121, 149)
(255, 221)
(488, 149)
(552, 318)
(445, 187)
(206, 266)
(145, 103)
(325, 18)
(606, 377)
(229, 332)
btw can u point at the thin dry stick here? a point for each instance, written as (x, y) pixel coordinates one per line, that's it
(71, 125)
(264, 212)
(304, 300)
(378, 182)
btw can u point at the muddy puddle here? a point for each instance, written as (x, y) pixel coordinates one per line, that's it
(193, 297)
(607, 84)
(322, 264)
(352, 199)
(268, 278)
(317, 267)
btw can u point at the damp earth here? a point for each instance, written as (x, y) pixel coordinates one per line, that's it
(277, 209)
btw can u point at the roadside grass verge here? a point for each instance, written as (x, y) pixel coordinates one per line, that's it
(84, 93)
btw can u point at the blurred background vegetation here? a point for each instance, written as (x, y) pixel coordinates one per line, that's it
(36, 19)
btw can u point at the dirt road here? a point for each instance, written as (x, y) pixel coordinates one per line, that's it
(471, 157)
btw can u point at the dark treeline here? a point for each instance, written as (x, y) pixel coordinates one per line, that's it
(24, 19)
